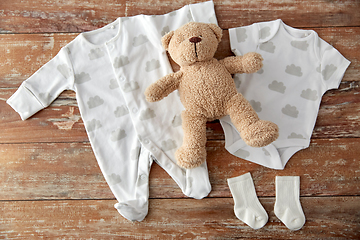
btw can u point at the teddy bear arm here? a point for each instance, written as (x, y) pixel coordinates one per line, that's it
(233, 64)
(249, 63)
(163, 87)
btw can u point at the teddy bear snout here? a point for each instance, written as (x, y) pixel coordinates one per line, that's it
(195, 39)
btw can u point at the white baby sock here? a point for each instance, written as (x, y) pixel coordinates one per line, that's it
(247, 206)
(287, 205)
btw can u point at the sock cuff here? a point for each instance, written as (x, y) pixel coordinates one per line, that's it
(287, 188)
(240, 178)
(295, 179)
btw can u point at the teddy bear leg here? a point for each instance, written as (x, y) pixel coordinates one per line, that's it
(254, 132)
(192, 153)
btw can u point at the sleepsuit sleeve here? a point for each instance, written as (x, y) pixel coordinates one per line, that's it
(332, 65)
(46, 84)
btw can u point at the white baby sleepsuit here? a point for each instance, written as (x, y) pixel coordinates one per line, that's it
(109, 69)
(299, 67)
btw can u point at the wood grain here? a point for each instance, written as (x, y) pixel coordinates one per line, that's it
(51, 186)
(26, 53)
(173, 219)
(40, 48)
(70, 171)
(341, 105)
(61, 122)
(19, 16)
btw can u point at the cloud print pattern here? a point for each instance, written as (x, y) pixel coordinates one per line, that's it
(299, 67)
(109, 69)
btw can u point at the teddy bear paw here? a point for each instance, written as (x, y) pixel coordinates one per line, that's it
(252, 62)
(260, 133)
(190, 157)
(153, 93)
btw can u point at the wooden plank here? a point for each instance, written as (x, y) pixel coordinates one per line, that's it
(327, 167)
(336, 105)
(326, 218)
(63, 16)
(51, 186)
(25, 54)
(70, 171)
(40, 48)
(19, 16)
(61, 122)
(51, 171)
(300, 14)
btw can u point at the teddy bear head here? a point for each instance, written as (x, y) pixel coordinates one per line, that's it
(193, 42)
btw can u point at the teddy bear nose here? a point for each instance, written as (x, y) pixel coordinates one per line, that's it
(195, 39)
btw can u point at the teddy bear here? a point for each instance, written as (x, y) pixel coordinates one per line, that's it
(207, 90)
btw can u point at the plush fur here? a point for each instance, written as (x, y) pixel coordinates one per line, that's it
(208, 91)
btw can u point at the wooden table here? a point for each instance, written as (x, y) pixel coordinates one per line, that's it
(51, 186)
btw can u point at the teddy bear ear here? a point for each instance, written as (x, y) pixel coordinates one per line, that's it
(217, 30)
(165, 40)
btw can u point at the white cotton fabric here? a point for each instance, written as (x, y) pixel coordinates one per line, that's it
(287, 205)
(247, 206)
(299, 67)
(109, 69)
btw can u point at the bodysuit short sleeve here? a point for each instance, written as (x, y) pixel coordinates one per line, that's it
(332, 65)
(39, 90)
(244, 39)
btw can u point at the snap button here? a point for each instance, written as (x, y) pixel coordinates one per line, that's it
(143, 177)
(153, 149)
(134, 110)
(121, 78)
(146, 141)
(110, 46)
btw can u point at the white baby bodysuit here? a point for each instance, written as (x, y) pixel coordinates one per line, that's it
(109, 69)
(299, 67)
